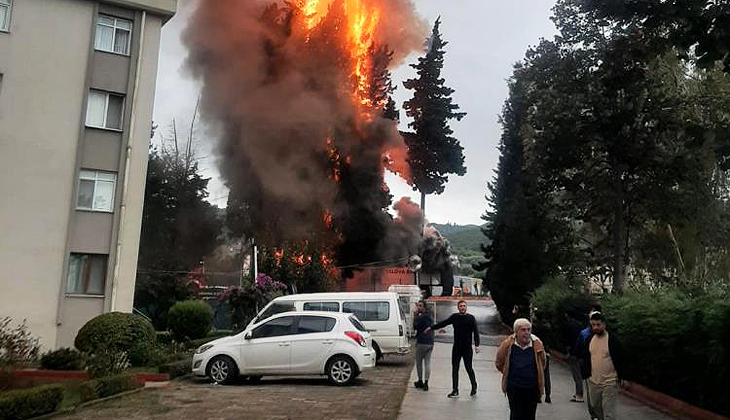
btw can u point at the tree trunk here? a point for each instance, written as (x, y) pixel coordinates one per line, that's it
(619, 246)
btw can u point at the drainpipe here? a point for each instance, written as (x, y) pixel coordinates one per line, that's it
(127, 165)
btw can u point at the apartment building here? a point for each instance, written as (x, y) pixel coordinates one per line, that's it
(77, 83)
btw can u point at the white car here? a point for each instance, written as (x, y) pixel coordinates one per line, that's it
(380, 312)
(290, 343)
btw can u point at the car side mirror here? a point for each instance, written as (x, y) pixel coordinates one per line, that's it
(247, 336)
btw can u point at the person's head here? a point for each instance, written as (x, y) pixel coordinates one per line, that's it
(523, 330)
(462, 306)
(421, 307)
(598, 323)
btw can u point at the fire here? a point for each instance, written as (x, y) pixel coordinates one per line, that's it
(363, 21)
(309, 9)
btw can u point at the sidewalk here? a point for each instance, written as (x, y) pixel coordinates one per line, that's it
(490, 403)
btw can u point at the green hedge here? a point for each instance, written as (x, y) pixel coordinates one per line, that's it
(190, 319)
(118, 331)
(32, 402)
(164, 337)
(674, 341)
(111, 385)
(176, 369)
(63, 359)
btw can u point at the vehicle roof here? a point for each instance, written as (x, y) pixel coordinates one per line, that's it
(310, 313)
(338, 296)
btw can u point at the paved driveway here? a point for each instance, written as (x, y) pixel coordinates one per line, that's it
(376, 394)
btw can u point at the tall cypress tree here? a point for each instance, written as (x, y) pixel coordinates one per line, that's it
(526, 243)
(433, 152)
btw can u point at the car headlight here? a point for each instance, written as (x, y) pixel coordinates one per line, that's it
(203, 349)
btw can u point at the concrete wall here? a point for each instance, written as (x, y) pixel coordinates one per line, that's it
(44, 59)
(131, 225)
(48, 65)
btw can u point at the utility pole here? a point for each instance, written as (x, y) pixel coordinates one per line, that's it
(255, 259)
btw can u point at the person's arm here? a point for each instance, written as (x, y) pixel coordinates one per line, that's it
(501, 357)
(543, 354)
(445, 322)
(614, 349)
(476, 332)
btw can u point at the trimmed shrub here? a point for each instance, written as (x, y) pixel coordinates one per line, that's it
(118, 332)
(32, 402)
(218, 334)
(176, 369)
(190, 320)
(107, 362)
(63, 359)
(164, 337)
(194, 344)
(111, 385)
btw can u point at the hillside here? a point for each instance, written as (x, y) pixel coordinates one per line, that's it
(466, 237)
(465, 242)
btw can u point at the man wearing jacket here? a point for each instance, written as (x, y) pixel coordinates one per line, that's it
(521, 359)
(424, 345)
(602, 367)
(465, 326)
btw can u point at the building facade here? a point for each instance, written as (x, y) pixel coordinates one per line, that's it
(77, 83)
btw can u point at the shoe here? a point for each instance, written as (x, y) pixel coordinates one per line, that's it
(425, 386)
(547, 400)
(577, 399)
(473, 392)
(418, 384)
(454, 394)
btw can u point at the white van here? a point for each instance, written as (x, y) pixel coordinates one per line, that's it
(379, 312)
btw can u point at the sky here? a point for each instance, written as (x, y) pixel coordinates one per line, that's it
(486, 37)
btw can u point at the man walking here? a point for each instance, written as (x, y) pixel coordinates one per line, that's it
(465, 326)
(602, 365)
(521, 359)
(571, 337)
(424, 345)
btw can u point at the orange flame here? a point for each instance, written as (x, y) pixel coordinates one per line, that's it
(363, 20)
(309, 9)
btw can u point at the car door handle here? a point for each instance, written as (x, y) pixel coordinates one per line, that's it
(327, 341)
(284, 344)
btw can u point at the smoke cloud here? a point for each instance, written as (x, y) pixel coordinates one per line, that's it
(297, 146)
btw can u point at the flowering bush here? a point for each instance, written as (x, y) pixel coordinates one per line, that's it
(245, 301)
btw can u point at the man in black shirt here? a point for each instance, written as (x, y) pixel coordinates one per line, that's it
(465, 326)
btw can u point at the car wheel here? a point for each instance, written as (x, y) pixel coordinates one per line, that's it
(341, 370)
(222, 370)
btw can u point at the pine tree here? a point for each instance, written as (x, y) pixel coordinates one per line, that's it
(433, 152)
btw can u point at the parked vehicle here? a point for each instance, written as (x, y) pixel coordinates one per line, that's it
(408, 296)
(379, 312)
(292, 343)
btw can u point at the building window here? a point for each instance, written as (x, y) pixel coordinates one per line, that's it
(86, 274)
(104, 110)
(113, 35)
(5, 6)
(96, 190)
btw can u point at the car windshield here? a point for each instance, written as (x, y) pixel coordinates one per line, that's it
(357, 323)
(275, 308)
